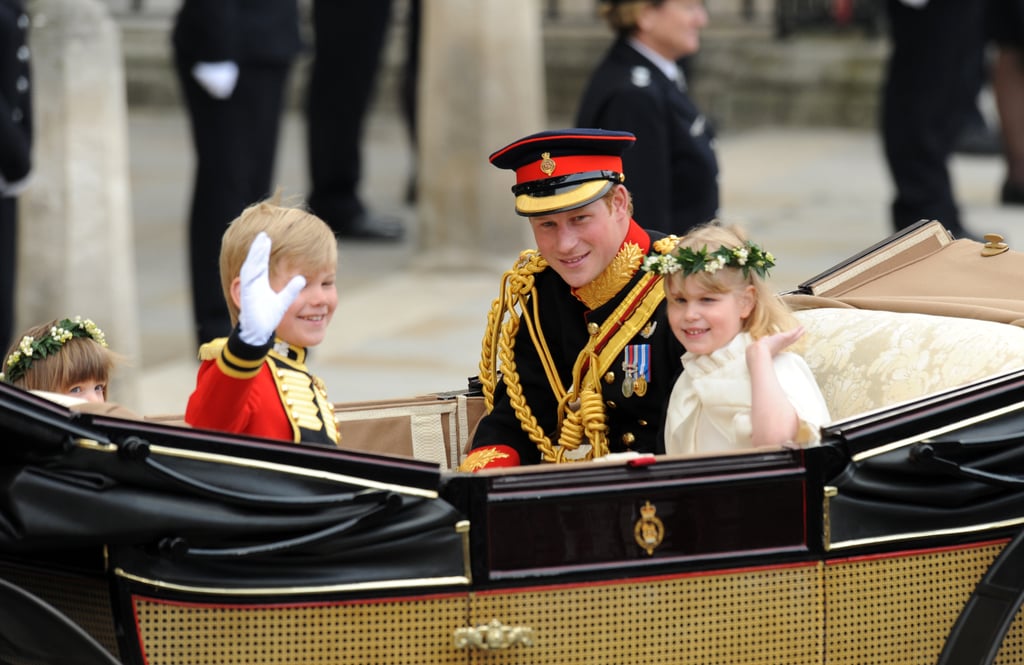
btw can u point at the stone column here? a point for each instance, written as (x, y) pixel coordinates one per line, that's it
(481, 86)
(76, 251)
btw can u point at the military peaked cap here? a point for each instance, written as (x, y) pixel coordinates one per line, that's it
(563, 169)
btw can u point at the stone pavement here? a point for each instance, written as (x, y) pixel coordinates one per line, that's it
(813, 197)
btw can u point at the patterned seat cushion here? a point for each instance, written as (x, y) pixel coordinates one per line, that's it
(868, 359)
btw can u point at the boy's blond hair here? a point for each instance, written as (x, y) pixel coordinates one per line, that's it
(299, 241)
(769, 315)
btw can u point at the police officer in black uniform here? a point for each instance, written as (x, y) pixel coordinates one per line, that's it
(15, 147)
(639, 88)
(587, 359)
(233, 58)
(349, 39)
(931, 81)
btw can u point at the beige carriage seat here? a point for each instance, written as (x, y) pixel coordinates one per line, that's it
(429, 427)
(868, 359)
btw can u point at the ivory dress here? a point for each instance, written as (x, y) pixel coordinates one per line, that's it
(709, 408)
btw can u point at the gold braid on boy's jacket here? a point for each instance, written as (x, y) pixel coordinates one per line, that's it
(576, 420)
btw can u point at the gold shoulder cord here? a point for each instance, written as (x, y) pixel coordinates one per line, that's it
(577, 417)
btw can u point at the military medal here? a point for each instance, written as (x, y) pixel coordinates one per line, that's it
(628, 381)
(637, 368)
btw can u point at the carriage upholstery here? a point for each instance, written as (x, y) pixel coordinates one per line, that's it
(868, 359)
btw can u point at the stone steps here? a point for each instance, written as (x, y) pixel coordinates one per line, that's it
(743, 77)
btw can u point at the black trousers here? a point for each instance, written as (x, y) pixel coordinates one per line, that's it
(8, 271)
(235, 143)
(349, 40)
(929, 92)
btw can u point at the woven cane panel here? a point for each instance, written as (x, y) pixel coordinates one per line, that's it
(770, 617)
(377, 633)
(84, 600)
(899, 610)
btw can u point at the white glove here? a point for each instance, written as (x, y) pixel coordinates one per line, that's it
(12, 189)
(262, 308)
(216, 78)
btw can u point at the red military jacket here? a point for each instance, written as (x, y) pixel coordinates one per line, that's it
(264, 391)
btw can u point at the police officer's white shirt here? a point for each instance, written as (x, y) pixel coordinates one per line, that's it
(667, 67)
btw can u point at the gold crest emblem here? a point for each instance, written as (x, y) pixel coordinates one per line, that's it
(547, 165)
(649, 530)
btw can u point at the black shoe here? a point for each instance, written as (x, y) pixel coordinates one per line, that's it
(975, 140)
(367, 226)
(1011, 194)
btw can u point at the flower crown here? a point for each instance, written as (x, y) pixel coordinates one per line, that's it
(671, 259)
(30, 348)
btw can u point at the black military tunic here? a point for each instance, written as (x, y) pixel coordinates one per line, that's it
(672, 171)
(15, 145)
(635, 421)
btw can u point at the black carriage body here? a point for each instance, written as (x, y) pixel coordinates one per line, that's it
(840, 553)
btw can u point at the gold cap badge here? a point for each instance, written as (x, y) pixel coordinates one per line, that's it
(547, 165)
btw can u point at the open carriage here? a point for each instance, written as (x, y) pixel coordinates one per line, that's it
(895, 541)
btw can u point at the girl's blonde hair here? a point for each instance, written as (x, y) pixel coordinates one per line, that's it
(770, 314)
(299, 241)
(78, 359)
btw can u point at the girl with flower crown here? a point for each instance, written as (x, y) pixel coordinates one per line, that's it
(739, 388)
(66, 360)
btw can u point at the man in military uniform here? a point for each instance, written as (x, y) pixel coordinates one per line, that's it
(586, 355)
(15, 147)
(638, 87)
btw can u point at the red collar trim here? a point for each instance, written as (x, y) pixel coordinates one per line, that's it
(637, 236)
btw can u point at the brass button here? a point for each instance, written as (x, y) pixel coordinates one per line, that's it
(642, 423)
(610, 404)
(628, 438)
(593, 328)
(609, 377)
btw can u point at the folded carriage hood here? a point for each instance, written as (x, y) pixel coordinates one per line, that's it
(193, 508)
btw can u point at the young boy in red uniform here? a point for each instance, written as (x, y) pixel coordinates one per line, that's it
(277, 268)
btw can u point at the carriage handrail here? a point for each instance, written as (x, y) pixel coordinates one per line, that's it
(928, 454)
(179, 548)
(135, 448)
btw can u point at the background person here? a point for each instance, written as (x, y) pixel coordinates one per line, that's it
(232, 58)
(590, 365)
(638, 87)
(15, 147)
(1006, 29)
(930, 88)
(349, 39)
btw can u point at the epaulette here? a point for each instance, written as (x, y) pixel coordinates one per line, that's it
(211, 350)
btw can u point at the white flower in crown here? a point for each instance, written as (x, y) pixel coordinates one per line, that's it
(714, 264)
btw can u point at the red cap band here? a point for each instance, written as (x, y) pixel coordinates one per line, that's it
(553, 167)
